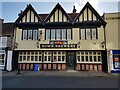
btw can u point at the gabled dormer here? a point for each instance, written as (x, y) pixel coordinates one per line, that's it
(88, 13)
(29, 15)
(58, 14)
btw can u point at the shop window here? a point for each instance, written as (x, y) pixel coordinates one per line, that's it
(59, 58)
(24, 58)
(32, 58)
(40, 58)
(90, 58)
(49, 58)
(95, 59)
(28, 58)
(45, 59)
(82, 58)
(99, 58)
(36, 58)
(63, 58)
(86, 58)
(78, 58)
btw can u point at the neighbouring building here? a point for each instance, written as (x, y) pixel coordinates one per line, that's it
(6, 32)
(113, 41)
(60, 40)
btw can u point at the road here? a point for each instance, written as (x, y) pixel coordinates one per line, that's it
(58, 82)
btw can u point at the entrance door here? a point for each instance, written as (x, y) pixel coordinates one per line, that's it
(71, 60)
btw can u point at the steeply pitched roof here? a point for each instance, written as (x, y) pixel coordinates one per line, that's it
(93, 10)
(25, 11)
(55, 8)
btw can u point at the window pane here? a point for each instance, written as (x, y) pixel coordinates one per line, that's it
(95, 59)
(82, 33)
(52, 33)
(63, 34)
(28, 58)
(36, 58)
(78, 58)
(69, 34)
(40, 58)
(24, 34)
(63, 58)
(88, 34)
(47, 34)
(24, 58)
(86, 58)
(32, 58)
(29, 34)
(45, 59)
(99, 59)
(90, 58)
(35, 34)
(4, 41)
(82, 58)
(20, 58)
(58, 34)
(49, 58)
(59, 58)
(94, 33)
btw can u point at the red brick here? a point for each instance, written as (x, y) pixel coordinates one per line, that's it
(78, 66)
(83, 67)
(45, 66)
(40, 66)
(91, 67)
(24, 66)
(95, 67)
(54, 66)
(87, 67)
(100, 67)
(59, 66)
(31, 66)
(63, 67)
(27, 66)
(49, 66)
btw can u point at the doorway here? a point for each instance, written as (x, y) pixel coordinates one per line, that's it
(71, 61)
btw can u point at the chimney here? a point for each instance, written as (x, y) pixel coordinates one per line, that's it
(74, 10)
(20, 13)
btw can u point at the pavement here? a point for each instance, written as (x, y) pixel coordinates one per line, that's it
(67, 73)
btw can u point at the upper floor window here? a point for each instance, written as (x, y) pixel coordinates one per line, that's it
(3, 41)
(88, 33)
(58, 34)
(47, 34)
(53, 34)
(68, 34)
(30, 34)
(35, 34)
(24, 34)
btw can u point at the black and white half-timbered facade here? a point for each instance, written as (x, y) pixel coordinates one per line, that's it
(60, 40)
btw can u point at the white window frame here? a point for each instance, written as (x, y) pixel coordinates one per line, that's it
(25, 34)
(4, 41)
(30, 34)
(3, 52)
(82, 33)
(35, 32)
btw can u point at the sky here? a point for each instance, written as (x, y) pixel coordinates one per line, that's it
(9, 9)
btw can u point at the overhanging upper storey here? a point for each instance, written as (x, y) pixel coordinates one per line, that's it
(28, 17)
(88, 16)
